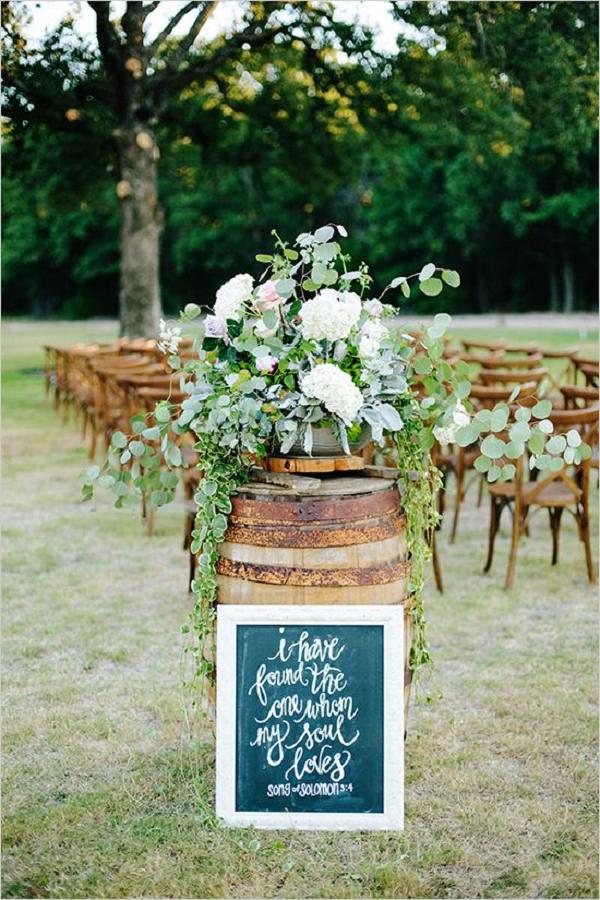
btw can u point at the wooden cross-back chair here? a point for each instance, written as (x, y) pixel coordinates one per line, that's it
(560, 373)
(578, 396)
(587, 368)
(462, 461)
(567, 489)
(107, 410)
(512, 376)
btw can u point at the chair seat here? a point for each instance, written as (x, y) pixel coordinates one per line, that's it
(554, 494)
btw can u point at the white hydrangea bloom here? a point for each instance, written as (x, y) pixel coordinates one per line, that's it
(330, 315)
(334, 389)
(372, 334)
(169, 338)
(446, 434)
(232, 295)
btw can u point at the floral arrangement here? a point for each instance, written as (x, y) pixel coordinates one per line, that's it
(308, 346)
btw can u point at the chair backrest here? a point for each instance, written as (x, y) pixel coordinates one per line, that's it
(489, 394)
(492, 346)
(531, 347)
(496, 376)
(560, 353)
(585, 421)
(513, 362)
(584, 360)
(577, 397)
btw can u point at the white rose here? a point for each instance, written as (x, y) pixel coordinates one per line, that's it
(334, 389)
(232, 295)
(374, 307)
(169, 338)
(330, 315)
(446, 434)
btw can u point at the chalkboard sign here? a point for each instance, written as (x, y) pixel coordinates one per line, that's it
(310, 730)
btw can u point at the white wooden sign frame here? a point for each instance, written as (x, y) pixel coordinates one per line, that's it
(392, 620)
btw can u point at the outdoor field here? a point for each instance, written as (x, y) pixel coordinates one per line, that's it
(106, 795)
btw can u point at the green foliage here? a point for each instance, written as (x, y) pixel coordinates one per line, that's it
(483, 153)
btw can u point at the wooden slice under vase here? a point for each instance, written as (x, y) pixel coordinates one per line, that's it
(344, 544)
(314, 465)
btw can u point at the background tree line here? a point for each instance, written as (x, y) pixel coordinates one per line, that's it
(474, 145)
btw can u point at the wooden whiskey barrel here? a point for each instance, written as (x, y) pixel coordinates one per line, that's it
(343, 545)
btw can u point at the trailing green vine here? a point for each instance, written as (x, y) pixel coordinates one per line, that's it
(223, 471)
(419, 481)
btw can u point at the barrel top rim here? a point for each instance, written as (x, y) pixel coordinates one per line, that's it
(337, 486)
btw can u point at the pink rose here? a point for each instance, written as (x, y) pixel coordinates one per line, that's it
(267, 364)
(267, 296)
(215, 327)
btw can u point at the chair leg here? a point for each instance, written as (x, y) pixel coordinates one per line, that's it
(93, 442)
(150, 521)
(437, 569)
(460, 474)
(555, 517)
(494, 525)
(192, 571)
(585, 536)
(480, 492)
(514, 546)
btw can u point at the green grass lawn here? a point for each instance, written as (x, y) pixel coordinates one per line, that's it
(105, 795)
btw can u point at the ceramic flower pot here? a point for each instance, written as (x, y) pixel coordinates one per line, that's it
(325, 443)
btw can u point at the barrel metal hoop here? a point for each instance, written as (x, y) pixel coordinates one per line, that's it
(311, 537)
(284, 575)
(332, 509)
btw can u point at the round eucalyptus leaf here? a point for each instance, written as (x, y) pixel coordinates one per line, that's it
(536, 442)
(466, 435)
(426, 272)
(523, 414)
(118, 440)
(451, 277)
(493, 447)
(520, 431)
(482, 464)
(431, 287)
(324, 234)
(556, 444)
(494, 473)
(542, 409)
(499, 419)
(508, 472)
(546, 426)
(573, 438)
(514, 449)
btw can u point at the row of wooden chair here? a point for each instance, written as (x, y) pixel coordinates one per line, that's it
(106, 385)
(497, 369)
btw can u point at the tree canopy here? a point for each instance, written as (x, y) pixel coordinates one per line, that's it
(474, 144)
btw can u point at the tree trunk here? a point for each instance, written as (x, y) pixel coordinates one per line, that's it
(568, 285)
(141, 223)
(554, 290)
